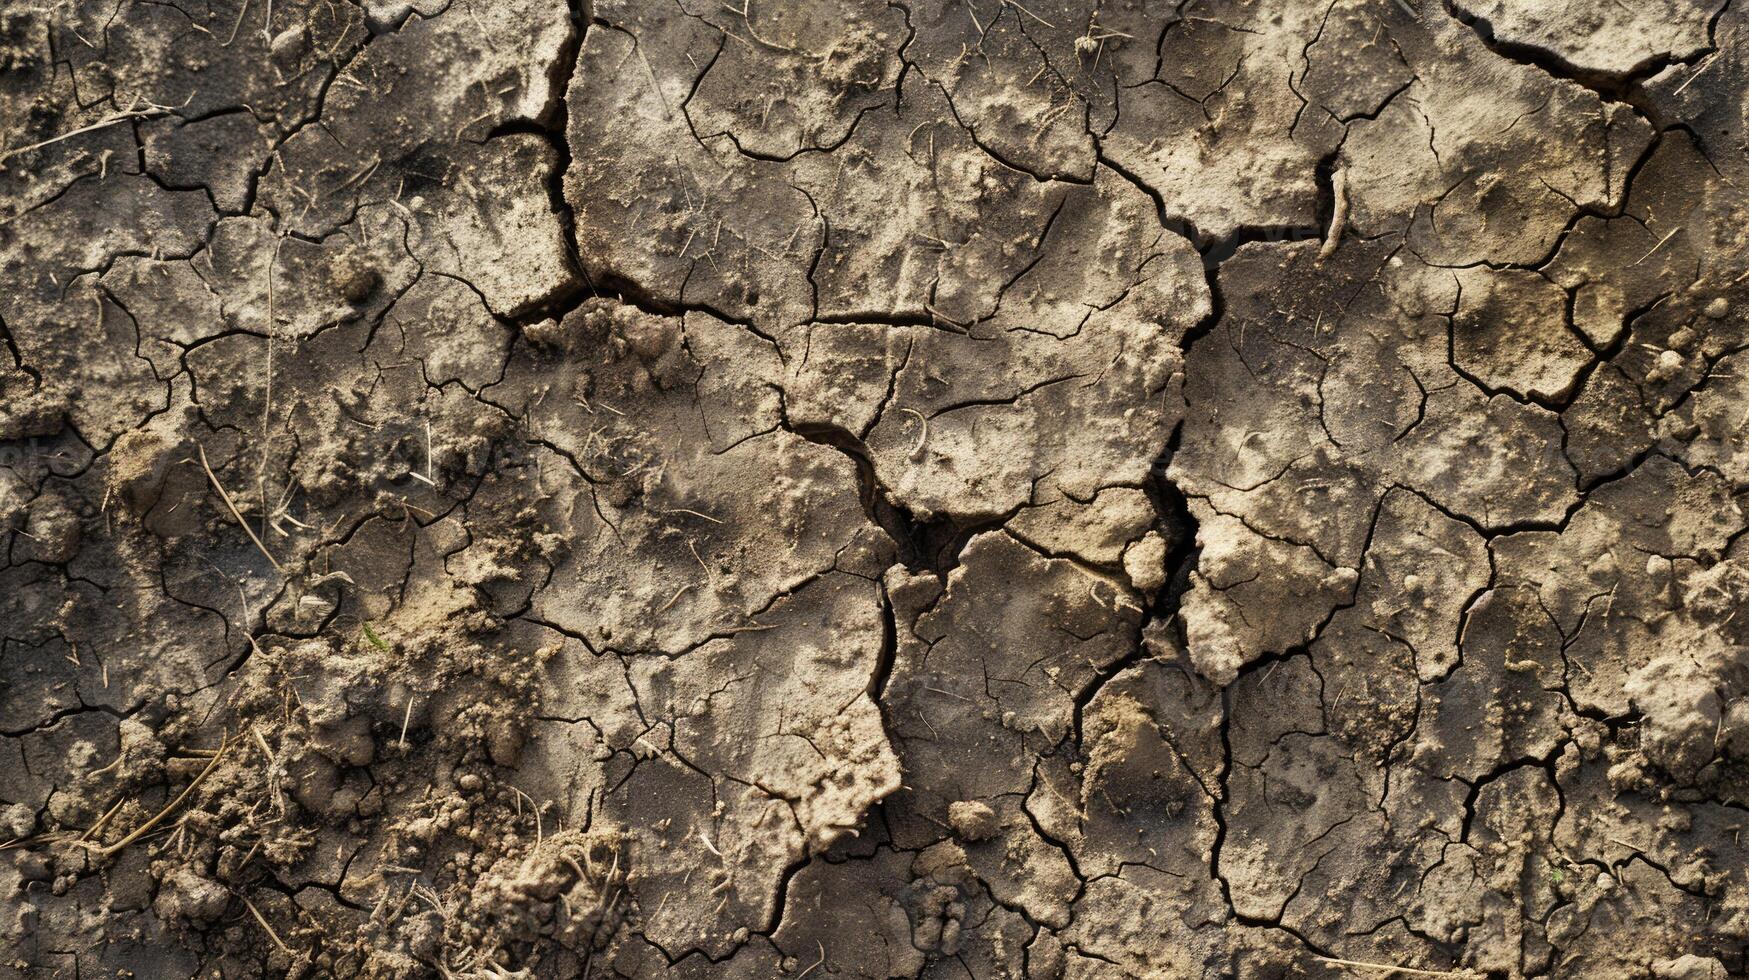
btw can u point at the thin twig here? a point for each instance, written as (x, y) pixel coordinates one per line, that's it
(103, 821)
(261, 919)
(1658, 246)
(233, 509)
(685, 510)
(141, 830)
(104, 123)
(1357, 964)
(817, 962)
(676, 598)
(1707, 64)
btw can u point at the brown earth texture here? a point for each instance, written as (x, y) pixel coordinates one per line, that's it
(1055, 489)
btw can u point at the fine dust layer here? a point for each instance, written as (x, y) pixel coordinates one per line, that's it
(860, 489)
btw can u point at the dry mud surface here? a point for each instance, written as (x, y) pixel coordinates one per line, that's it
(939, 489)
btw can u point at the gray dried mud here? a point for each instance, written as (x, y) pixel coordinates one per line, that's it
(846, 488)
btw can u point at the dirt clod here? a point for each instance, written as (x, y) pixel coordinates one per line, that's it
(972, 821)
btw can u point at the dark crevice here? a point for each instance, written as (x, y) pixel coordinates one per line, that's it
(552, 126)
(924, 545)
(1624, 88)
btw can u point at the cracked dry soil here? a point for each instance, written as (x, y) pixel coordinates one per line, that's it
(845, 488)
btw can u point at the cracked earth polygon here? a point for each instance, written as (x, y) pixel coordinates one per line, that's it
(1052, 489)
